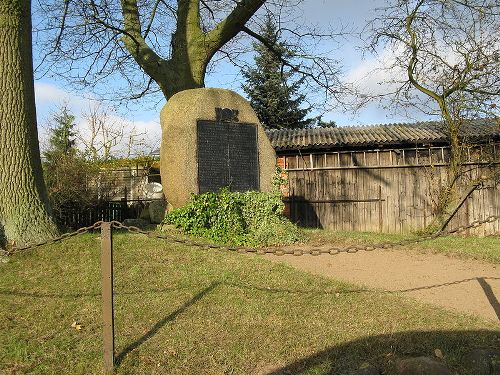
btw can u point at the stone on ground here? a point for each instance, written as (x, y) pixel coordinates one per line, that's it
(139, 223)
(483, 361)
(157, 211)
(421, 366)
(366, 369)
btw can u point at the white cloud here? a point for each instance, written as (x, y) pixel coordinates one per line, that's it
(126, 136)
(49, 96)
(373, 76)
(49, 99)
(46, 93)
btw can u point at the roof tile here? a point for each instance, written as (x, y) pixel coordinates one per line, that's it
(374, 135)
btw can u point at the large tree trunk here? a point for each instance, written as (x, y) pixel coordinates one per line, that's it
(192, 48)
(181, 74)
(24, 211)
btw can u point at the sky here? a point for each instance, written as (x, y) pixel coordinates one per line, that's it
(50, 94)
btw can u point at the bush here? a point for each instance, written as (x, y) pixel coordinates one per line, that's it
(249, 218)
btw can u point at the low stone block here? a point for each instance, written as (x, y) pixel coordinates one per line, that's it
(157, 211)
(366, 369)
(483, 361)
(421, 366)
(144, 215)
(139, 223)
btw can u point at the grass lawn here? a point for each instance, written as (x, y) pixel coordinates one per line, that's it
(483, 248)
(182, 310)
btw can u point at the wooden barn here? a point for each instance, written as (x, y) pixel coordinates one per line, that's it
(385, 178)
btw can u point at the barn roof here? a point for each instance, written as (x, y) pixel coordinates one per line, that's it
(432, 132)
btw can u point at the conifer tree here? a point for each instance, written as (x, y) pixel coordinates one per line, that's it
(68, 176)
(274, 94)
(62, 136)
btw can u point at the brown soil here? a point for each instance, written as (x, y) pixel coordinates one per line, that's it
(467, 286)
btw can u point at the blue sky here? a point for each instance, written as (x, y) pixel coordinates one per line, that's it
(50, 93)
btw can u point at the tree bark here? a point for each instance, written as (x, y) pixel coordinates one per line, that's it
(24, 211)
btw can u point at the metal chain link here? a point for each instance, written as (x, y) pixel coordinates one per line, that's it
(260, 251)
(15, 249)
(298, 252)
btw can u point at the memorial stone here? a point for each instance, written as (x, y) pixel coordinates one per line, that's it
(212, 138)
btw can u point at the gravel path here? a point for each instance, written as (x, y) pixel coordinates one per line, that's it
(468, 286)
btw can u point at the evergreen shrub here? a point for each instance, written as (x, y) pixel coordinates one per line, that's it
(238, 218)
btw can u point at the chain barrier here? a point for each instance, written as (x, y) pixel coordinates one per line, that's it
(15, 249)
(298, 252)
(259, 251)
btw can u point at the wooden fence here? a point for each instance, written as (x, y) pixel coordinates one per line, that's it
(391, 191)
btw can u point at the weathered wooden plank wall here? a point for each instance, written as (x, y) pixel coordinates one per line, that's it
(392, 191)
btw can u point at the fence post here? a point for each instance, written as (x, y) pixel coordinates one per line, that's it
(107, 296)
(380, 207)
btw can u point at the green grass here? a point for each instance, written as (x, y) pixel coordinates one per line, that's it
(182, 310)
(471, 247)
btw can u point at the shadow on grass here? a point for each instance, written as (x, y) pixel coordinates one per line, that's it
(487, 290)
(383, 352)
(363, 290)
(3, 238)
(116, 292)
(161, 323)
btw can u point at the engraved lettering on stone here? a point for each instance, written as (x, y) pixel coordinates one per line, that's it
(226, 115)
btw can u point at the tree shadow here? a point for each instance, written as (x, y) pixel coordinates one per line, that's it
(384, 351)
(369, 172)
(303, 212)
(487, 289)
(161, 323)
(3, 238)
(94, 294)
(364, 290)
(381, 351)
(488, 292)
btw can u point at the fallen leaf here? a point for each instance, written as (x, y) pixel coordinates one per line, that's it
(438, 353)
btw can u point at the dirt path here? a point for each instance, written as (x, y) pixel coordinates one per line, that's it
(465, 285)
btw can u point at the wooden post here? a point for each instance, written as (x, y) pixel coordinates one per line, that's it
(107, 296)
(380, 216)
(467, 215)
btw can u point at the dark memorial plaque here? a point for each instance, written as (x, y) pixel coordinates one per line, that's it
(243, 157)
(212, 156)
(227, 156)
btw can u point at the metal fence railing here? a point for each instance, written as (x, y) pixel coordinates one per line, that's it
(75, 216)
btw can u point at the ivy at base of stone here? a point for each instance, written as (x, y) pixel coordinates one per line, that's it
(237, 218)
